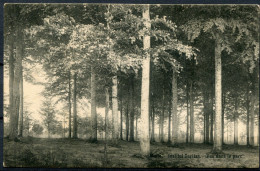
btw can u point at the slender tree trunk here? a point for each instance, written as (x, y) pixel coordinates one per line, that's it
(75, 129)
(207, 103)
(188, 113)
(136, 128)
(211, 115)
(162, 118)
(191, 114)
(21, 106)
(131, 108)
(121, 116)
(144, 119)
(247, 116)
(218, 98)
(11, 79)
(252, 118)
(106, 121)
(169, 122)
(236, 122)
(223, 116)
(93, 106)
(115, 110)
(174, 138)
(13, 134)
(127, 119)
(152, 118)
(69, 102)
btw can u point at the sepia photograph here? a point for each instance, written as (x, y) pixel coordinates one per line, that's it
(92, 85)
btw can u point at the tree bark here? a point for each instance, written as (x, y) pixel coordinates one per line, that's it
(69, 102)
(75, 129)
(114, 110)
(174, 138)
(144, 119)
(93, 106)
(218, 97)
(21, 106)
(13, 134)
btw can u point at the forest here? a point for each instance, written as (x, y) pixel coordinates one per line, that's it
(116, 85)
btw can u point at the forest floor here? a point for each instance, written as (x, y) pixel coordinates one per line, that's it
(64, 153)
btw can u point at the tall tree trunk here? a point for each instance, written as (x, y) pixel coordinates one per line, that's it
(169, 122)
(174, 138)
(206, 107)
(211, 114)
(136, 129)
(144, 119)
(93, 106)
(223, 116)
(13, 134)
(188, 113)
(114, 110)
(131, 108)
(247, 116)
(162, 118)
(21, 106)
(191, 114)
(218, 97)
(236, 122)
(106, 122)
(75, 129)
(252, 118)
(121, 116)
(152, 119)
(127, 118)
(11, 78)
(69, 102)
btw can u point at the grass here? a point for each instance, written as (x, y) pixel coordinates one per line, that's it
(78, 153)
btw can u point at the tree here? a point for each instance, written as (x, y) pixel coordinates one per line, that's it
(48, 113)
(37, 129)
(144, 119)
